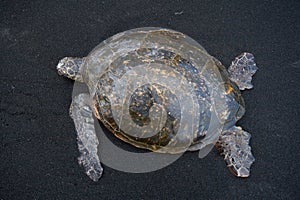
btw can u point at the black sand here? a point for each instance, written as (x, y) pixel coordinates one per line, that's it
(38, 150)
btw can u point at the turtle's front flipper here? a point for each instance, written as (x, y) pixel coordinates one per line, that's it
(82, 114)
(234, 146)
(242, 69)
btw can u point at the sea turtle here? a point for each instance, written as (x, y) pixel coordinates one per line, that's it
(160, 90)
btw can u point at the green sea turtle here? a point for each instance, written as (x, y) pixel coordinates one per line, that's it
(160, 90)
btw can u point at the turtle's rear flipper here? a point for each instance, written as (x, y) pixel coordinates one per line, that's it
(234, 146)
(82, 115)
(242, 69)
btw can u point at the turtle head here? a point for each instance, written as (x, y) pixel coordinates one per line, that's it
(70, 68)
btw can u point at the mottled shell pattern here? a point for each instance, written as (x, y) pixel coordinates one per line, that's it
(160, 90)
